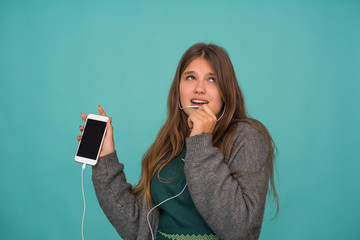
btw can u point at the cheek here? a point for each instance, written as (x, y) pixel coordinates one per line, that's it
(216, 96)
(184, 91)
(182, 95)
(181, 89)
(216, 100)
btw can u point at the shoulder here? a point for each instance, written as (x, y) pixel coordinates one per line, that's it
(250, 134)
(251, 129)
(250, 146)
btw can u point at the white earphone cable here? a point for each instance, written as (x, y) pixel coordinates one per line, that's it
(147, 216)
(187, 106)
(221, 114)
(198, 107)
(82, 188)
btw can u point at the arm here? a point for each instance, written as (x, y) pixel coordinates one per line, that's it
(230, 210)
(123, 209)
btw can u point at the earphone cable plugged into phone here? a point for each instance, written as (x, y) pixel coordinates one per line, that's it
(82, 188)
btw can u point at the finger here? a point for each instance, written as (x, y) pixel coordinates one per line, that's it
(101, 111)
(81, 128)
(83, 116)
(207, 109)
(203, 116)
(109, 126)
(79, 137)
(194, 119)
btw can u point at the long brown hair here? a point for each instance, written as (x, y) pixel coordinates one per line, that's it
(170, 140)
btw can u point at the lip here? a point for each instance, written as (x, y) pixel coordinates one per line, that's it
(198, 104)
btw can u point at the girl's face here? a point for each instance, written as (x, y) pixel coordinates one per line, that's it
(198, 87)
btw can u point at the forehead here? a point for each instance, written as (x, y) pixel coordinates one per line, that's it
(199, 65)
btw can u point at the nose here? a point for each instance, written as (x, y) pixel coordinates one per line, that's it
(200, 87)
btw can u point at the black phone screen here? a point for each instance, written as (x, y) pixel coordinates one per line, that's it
(91, 139)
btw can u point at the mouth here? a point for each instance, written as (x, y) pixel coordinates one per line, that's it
(198, 102)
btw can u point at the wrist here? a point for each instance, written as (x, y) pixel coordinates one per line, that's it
(107, 151)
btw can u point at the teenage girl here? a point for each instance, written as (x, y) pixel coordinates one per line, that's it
(207, 173)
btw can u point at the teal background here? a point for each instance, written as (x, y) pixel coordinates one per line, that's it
(297, 63)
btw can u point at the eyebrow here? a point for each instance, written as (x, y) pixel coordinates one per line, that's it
(192, 72)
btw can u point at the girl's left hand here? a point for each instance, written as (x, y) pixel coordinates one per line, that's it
(202, 120)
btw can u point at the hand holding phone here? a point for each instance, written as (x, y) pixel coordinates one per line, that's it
(98, 138)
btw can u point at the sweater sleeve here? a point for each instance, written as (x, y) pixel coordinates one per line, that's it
(232, 210)
(123, 209)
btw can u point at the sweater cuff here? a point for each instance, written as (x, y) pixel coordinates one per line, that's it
(109, 161)
(194, 143)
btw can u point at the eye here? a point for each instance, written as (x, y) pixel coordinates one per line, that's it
(190, 77)
(211, 79)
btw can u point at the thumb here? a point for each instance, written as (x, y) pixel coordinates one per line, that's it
(109, 126)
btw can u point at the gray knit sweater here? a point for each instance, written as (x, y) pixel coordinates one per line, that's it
(231, 210)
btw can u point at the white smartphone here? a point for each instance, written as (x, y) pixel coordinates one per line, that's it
(89, 147)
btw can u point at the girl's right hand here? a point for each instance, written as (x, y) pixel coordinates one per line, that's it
(108, 144)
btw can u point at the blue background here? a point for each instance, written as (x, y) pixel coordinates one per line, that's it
(297, 63)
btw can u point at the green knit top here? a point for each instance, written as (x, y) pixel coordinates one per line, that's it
(179, 218)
